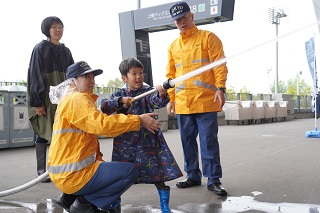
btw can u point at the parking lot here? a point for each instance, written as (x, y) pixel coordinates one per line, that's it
(270, 167)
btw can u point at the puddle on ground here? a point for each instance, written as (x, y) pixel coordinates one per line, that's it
(229, 205)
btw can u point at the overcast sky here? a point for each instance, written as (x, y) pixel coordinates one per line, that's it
(92, 34)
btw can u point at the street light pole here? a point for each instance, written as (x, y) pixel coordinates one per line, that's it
(277, 64)
(138, 4)
(269, 70)
(275, 17)
(298, 78)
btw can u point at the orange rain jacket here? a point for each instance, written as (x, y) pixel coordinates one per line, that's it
(74, 153)
(188, 52)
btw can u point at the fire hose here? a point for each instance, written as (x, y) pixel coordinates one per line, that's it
(24, 186)
(167, 84)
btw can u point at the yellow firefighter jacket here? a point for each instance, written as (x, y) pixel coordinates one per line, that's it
(74, 153)
(188, 52)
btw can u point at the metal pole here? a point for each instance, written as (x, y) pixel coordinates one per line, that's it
(269, 70)
(275, 17)
(276, 78)
(138, 4)
(298, 79)
(297, 86)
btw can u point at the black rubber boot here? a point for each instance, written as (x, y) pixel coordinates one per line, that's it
(65, 201)
(77, 207)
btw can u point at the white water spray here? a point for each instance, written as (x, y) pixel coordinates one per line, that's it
(224, 60)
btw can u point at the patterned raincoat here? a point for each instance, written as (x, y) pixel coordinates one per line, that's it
(148, 151)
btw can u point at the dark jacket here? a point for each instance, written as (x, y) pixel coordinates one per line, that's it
(47, 67)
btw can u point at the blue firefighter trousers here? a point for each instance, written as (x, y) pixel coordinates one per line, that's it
(110, 181)
(206, 125)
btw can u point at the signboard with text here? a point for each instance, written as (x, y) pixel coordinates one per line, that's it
(205, 11)
(136, 25)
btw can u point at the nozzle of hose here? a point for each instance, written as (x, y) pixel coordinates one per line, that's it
(167, 84)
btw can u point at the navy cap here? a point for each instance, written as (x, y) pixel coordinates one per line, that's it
(178, 10)
(81, 68)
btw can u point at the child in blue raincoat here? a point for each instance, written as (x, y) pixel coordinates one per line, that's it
(148, 151)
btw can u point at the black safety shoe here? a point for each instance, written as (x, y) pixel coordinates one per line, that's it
(188, 182)
(217, 189)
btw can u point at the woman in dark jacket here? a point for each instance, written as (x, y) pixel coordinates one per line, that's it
(48, 64)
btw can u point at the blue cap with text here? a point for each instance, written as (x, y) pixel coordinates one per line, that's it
(179, 10)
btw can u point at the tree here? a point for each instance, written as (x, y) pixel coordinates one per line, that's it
(230, 90)
(111, 87)
(282, 87)
(116, 83)
(244, 90)
(298, 86)
(244, 93)
(231, 93)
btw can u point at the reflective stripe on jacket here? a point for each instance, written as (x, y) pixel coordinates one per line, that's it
(188, 52)
(74, 153)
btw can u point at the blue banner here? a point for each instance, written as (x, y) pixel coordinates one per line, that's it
(310, 51)
(312, 61)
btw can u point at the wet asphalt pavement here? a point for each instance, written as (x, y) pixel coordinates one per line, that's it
(268, 167)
